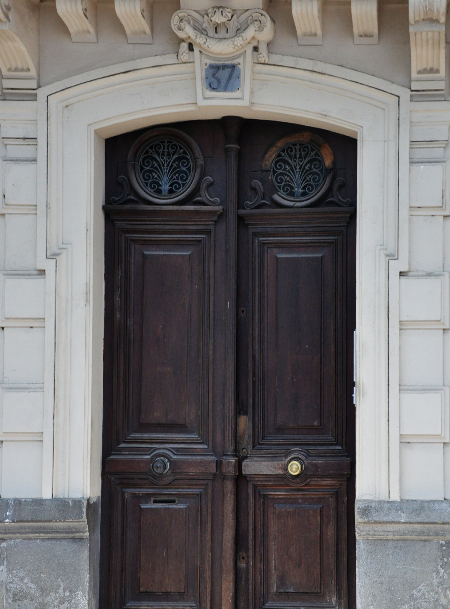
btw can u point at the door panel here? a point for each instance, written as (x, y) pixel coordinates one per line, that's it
(166, 279)
(164, 538)
(170, 337)
(295, 547)
(228, 325)
(296, 322)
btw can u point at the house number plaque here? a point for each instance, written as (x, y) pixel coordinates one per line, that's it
(226, 78)
(223, 77)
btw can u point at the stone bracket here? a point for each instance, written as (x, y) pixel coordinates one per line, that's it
(365, 21)
(307, 16)
(80, 17)
(19, 78)
(135, 16)
(427, 39)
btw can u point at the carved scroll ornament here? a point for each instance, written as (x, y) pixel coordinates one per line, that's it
(222, 33)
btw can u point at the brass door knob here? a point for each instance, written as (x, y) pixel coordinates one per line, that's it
(295, 467)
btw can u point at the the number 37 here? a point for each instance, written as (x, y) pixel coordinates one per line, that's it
(222, 77)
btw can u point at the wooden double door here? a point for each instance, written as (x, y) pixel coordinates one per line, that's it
(228, 469)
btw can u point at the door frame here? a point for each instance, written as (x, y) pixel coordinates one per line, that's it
(74, 118)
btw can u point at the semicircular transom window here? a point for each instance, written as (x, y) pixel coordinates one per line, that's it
(298, 171)
(165, 167)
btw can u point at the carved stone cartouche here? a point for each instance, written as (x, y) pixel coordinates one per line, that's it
(222, 33)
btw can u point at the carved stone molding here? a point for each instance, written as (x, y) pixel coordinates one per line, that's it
(427, 38)
(19, 78)
(365, 21)
(307, 16)
(80, 18)
(135, 16)
(221, 32)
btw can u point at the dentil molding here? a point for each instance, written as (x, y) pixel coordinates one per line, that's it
(307, 16)
(222, 32)
(19, 78)
(427, 38)
(80, 17)
(135, 16)
(365, 21)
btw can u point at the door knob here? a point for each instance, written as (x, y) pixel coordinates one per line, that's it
(160, 466)
(295, 467)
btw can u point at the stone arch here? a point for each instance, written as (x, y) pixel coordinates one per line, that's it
(85, 110)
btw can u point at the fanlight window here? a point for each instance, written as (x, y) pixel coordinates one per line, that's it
(298, 171)
(165, 168)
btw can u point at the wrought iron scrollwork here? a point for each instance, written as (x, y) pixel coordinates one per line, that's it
(298, 171)
(165, 168)
(259, 199)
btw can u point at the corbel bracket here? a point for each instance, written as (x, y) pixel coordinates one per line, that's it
(427, 39)
(365, 21)
(307, 16)
(19, 78)
(135, 16)
(80, 17)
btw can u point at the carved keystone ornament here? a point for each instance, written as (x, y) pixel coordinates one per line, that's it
(223, 40)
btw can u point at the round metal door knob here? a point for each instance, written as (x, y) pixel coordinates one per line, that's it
(160, 466)
(295, 467)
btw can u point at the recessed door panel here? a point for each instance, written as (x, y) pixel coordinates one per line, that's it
(297, 333)
(293, 354)
(295, 547)
(163, 559)
(166, 334)
(166, 546)
(172, 320)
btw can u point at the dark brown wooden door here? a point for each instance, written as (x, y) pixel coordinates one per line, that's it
(228, 471)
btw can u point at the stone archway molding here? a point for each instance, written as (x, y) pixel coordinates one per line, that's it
(84, 110)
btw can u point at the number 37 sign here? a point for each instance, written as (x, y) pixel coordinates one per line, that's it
(224, 79)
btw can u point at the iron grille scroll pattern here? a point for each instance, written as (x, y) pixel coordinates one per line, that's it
(165, 168)
(298, 171)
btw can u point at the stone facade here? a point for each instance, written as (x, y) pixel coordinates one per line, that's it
(73, 77)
